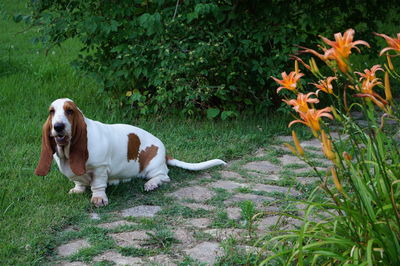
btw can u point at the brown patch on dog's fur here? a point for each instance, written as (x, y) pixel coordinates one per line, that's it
(146, 155)
(133, 146)
(48, 149)
(78, 150)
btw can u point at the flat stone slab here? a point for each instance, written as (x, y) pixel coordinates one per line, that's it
(272, 177)
(207, 252)
(291, 159)
(260, 153)
(287, 139)
(270, 209)
(94, 216)
(262, 166)
(251, 249)
(118, 259)
(204, 175)
(162, 259)
(115, 224)
(224, 233)
(258, 200)
(307, 180)
(196, 193)
(234, 213)
(141, 211)
(272, 188)
(316, 143)
(226, 184)
(230, 174)
(309, 169)
(308, 143)
(72, 247)
(197, 206)
(281, 147)
(183, 236)
(127, 239)
(265, 223)
(199, 222)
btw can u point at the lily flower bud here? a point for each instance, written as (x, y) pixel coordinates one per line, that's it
(388, 91)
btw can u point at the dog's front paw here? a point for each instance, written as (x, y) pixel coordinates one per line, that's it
(77, 190)
(99, 201)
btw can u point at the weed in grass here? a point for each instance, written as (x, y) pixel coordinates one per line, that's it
(220, 196)
(248, 212)
(162, 238)
(143, 223)
(221, 220)
(235, 255)
(202, 236)
(243, 190)
(103, 263)
(188, 261)
(136, 252)
(85, 254)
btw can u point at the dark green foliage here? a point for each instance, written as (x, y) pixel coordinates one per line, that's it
(210, 57)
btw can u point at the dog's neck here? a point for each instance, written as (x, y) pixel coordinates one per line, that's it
(63, 151)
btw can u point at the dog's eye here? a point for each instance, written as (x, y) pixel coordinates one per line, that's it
(69, 112)
(52, 111)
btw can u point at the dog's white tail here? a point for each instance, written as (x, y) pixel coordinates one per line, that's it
(195, 166)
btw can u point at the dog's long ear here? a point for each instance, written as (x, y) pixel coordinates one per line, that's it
(48, 149)
(78, 154)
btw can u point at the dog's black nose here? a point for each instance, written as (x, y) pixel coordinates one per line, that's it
(59, 127)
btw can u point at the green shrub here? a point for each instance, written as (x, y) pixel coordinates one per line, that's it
(198, 57)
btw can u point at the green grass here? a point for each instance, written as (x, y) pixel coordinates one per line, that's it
(33, 209)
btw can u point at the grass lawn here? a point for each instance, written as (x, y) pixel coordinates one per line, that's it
(32, 208)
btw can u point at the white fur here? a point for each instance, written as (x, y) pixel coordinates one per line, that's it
(108, 163)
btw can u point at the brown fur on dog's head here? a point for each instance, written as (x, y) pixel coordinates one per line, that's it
(77, 139)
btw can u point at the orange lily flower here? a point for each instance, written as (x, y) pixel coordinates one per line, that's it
(300, 104)
(369, 74)
(369, 81)
(343, 44)
(325, 85)
(367, 86)
(340, 49)
(311, 118)
(288, 81)
(394, 44)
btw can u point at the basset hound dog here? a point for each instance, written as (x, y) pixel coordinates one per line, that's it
(94, 154)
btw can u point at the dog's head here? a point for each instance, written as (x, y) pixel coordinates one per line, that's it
(65, 127)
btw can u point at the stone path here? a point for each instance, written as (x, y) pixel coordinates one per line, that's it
(202, 219)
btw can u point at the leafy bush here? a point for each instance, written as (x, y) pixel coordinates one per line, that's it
(209, 57)
(361, 221)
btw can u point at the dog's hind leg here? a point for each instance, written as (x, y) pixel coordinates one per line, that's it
(155, 182)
